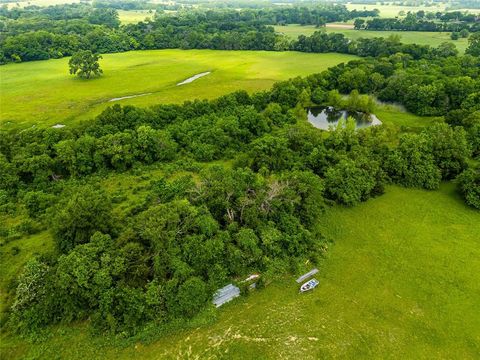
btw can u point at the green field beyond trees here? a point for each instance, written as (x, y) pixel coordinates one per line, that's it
(408, 37)
(401, 281)
(43, 93)
(390, 10)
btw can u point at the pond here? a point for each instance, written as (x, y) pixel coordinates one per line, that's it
(323, 118)
(193, 78)
(128, 97)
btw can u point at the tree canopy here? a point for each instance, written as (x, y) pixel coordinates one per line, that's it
(85, 64)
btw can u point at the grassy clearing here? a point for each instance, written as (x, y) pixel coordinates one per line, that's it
(39, 3)
(407, 37)
(134, 16)
(390, 10)
(43, 93)
(397, 116)
(402, 281)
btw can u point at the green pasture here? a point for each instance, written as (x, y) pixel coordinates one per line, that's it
(391, 114)
(134, 16)
(401, 281)
(390, 10)
(42, 93)
(407, 37)
(13, 4)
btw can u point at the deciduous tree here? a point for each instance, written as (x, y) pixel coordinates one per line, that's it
(85, 64)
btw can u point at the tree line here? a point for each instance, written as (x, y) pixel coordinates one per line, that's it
(449, 21)
(35, 33)
(249, 29)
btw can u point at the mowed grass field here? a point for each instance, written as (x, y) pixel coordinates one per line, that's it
(408, 37)
(134, 16)
(402, 281)
(44, 93)
(13, 4)
(389, 10)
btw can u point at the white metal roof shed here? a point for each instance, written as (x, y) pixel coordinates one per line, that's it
(225, 294)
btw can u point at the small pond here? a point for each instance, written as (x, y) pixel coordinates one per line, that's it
(323, 118)
(193, 78)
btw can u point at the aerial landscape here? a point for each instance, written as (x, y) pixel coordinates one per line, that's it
(239, 179)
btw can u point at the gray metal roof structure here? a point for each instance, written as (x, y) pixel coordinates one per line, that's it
(307, 275)
(225, 294)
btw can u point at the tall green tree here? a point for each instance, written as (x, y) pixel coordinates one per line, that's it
(81, 212)
(473, 44)
(8, 175)
(85, 64)
(469, 186)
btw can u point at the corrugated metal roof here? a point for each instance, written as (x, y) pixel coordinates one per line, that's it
(307, 275)
(225, 294)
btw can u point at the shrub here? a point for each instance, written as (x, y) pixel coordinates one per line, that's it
(412, 164)
(192, 296)
(37, 202)
(81, 212)
(349, 182)
(469, 186)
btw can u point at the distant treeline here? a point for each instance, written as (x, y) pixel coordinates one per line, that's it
(178, 32)
(43, 33)
(464, 4)
(58, 18)
(421, 21)
(220, 30)
(124, 4)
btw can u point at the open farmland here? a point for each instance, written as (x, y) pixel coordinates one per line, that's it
(390, 10)
(134, 16)
(407, 37)
(58, 97)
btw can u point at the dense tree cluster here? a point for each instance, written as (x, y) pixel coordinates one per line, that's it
(469, 183)
(121, 137)
(449, 21)
(167, 260)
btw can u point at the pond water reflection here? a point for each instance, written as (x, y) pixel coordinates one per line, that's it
(324, 117)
